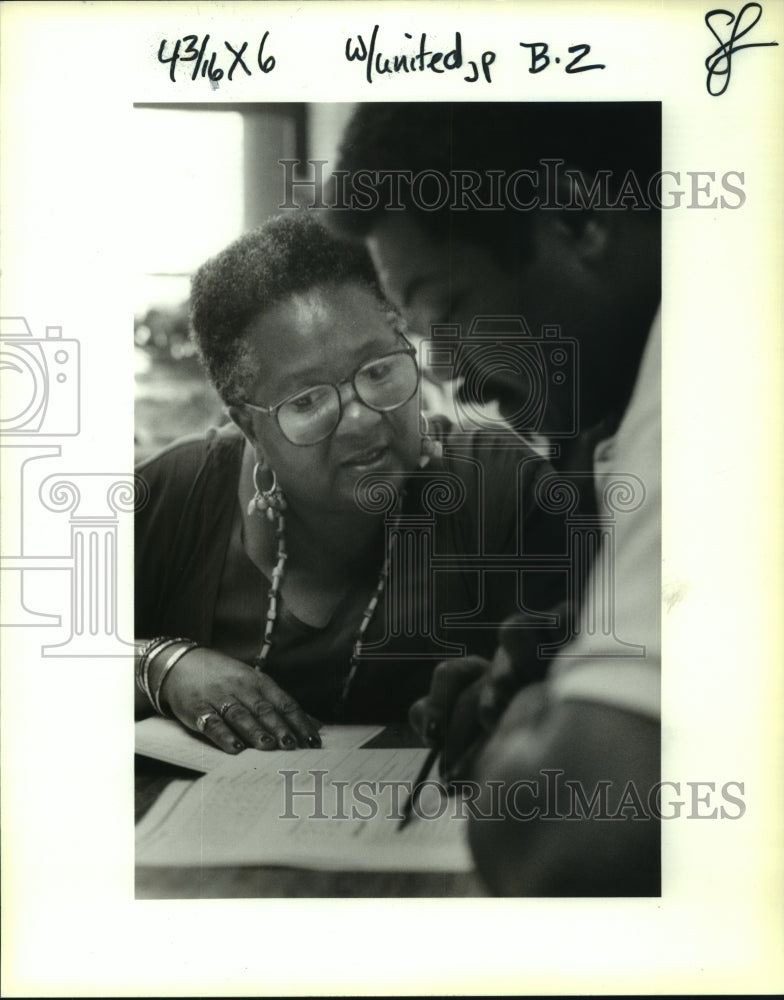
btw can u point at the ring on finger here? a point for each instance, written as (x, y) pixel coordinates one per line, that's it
(225, 707)
(203, 720)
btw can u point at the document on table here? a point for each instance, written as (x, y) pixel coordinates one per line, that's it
(321, 809)
(167, 740)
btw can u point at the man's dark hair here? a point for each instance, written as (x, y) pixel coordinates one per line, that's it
(481, 137)
(289, 254)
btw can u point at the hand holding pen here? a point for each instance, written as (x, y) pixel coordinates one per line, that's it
(468, 696)
(449, 720)
(454, 715)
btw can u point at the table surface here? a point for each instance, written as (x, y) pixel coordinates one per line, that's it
(153, 776)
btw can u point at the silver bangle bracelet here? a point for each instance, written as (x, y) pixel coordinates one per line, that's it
(143, 651)
(143, 665)
(173, 660)
(148, 652)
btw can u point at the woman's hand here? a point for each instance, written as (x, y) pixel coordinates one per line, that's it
(234, 705)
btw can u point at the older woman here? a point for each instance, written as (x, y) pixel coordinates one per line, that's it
(277, 580)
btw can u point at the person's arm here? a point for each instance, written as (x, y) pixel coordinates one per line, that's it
(594, 723)
(468, 695)
(177, 560)
(577, 810)
(232, 704)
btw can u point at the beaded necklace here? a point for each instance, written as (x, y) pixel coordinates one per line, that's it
(274, 591)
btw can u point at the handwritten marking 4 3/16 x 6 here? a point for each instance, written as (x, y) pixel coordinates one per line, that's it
(206, 62)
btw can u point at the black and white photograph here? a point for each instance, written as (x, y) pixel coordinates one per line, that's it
(391, 548)
(427, 345)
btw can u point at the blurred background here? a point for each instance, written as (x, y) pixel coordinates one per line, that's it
(205, 174)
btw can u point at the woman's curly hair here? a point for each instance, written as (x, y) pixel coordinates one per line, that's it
(290, 254)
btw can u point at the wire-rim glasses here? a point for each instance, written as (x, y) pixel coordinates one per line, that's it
(383, 384)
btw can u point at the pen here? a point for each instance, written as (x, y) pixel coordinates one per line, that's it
(423, 773)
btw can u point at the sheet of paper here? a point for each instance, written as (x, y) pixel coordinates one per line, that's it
(312, 809)
(167, 740)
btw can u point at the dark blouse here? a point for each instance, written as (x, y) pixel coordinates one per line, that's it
(454, 571)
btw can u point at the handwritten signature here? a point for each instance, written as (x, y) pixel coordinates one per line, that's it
(719, 62)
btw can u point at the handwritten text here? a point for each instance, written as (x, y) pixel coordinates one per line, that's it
(189, 49)
(423, 60)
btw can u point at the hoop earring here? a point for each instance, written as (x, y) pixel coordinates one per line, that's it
(271, 500)
(430, 447)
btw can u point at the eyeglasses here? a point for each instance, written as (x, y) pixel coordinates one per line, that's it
(311, 415)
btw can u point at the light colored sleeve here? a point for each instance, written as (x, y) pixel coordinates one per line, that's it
(615, 658)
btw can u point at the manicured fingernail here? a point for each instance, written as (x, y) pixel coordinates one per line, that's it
(288, 741)
(267, 741)
(237, 745)
(314, 741)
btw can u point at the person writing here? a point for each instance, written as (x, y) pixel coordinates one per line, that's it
(589, 263)
(272, 591)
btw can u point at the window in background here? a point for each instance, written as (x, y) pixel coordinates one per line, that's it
(204, 174)
(190, 202)
(190, 180)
